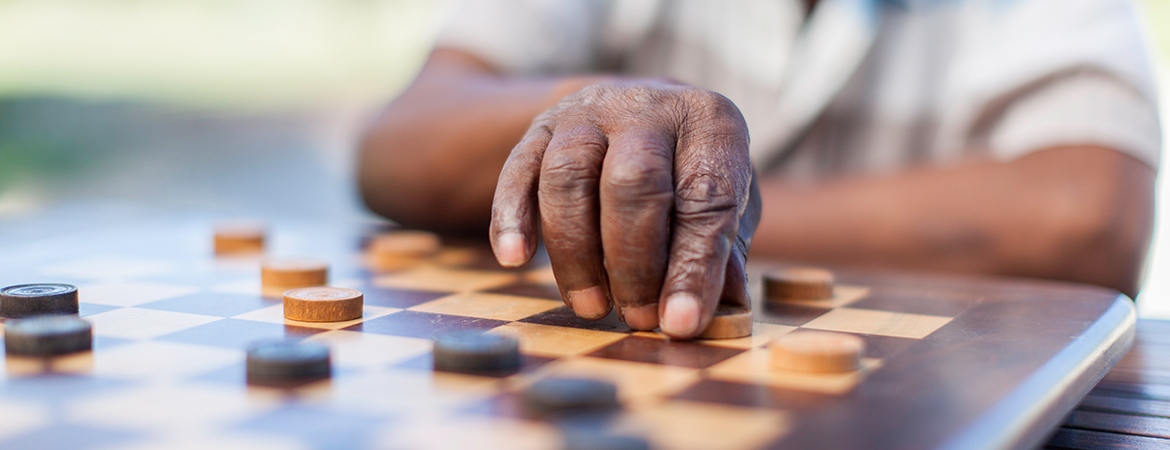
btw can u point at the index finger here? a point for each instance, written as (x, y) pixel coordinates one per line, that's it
(514, 208)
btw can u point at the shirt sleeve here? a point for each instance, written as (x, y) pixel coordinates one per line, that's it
(1083, 108)
(527, 37)
(1037, 74)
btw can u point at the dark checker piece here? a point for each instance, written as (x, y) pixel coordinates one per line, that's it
(47, 335)
(476, 352)
(569, 395)
(26, 300)
(283, 361)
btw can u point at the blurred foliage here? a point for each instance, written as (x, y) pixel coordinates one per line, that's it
(219, 53)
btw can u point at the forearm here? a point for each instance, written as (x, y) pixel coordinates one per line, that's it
(432, 159)
(1081, 214)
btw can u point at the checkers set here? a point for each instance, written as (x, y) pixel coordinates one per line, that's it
(173, 325)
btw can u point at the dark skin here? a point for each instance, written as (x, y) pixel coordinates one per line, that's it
(642, 191)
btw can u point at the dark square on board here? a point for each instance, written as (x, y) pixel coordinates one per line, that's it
(212, 304)
(662, 351)
(236, 333)
(564, 317)
(421, 324)
(397, 298)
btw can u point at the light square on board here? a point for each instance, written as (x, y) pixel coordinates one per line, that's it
(367, 350)
(687, 425)
(470, 432)
(407, 392)
(441, 279)
(882, 323)
(191, 406)
(552, 341)
(754, 367)
(22, 416)
(110, 267)
(130, 294)
(761, 334)
(636, 382)
(487, 306)
(156, 360)
(135, 323)
(275, 314)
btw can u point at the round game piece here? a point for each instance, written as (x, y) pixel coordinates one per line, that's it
(322, 304)
(729, 322)
(474, 351)
(569, 395)
(817, 351)
(595, 441)
(47, 335)
(283, 361)
(798, 284)
(26, 300)
(294, 273)
(239, 238)
(401, 249)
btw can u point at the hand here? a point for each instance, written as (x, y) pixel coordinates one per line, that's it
(645, 196)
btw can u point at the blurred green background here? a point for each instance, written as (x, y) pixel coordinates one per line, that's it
(247, 105)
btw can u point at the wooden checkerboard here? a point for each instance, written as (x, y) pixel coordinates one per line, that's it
(951, 362)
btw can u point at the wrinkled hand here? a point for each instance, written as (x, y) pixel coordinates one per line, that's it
(645, 197)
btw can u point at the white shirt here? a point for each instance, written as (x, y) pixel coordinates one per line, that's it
(862, 86)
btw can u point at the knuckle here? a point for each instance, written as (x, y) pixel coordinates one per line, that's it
(636, 176)
(702, 194)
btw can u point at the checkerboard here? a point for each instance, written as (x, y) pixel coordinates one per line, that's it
(947, 358)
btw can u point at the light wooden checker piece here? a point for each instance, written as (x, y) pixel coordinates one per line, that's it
(280, 275)
(817, 351)
(800, 283)
(323, 304)
(729, 322)
(402, 249)
(239, 238)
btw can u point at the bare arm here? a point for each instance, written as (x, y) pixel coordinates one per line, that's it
(1081, 214)
(432, 159)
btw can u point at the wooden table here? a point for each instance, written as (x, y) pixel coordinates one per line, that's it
(1130, 407)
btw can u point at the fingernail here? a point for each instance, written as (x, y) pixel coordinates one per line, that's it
(589, 303)
(510, 249)
(681, 315)
(642, 318)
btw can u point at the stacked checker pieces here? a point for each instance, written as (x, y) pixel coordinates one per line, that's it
(649, 372)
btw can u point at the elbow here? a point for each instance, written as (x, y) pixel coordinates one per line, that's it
(383, 178)
(1106, 241)
(400, 179)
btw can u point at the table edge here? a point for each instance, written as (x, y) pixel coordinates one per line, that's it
(1050, 393)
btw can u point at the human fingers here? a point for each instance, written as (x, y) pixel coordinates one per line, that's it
(569, 216)
(637, 194)
(712, 186)
(513, 230)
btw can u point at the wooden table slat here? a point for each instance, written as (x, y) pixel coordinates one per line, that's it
(1134, 390)
(1074, 439)
(1093, 402)
(1137, 376)
(1120, 423)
